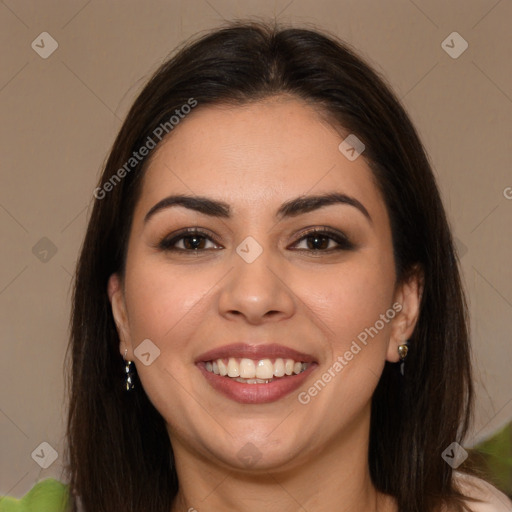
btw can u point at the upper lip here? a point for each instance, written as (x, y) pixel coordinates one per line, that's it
(261, 351)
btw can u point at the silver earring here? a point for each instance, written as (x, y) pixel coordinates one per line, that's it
(129, 373)
(402, 353)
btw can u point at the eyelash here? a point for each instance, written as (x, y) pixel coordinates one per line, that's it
(343, 242)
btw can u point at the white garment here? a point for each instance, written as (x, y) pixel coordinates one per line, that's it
(493, 499)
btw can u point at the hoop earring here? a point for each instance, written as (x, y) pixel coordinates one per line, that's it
(129, 373)
(402, 353)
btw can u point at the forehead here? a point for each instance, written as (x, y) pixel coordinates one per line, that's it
(255, 154)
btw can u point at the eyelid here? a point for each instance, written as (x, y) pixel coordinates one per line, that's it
(343, 241)
(167, 242)
(322, 230)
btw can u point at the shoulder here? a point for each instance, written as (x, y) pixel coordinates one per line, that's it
(46, 495)
(493, 500)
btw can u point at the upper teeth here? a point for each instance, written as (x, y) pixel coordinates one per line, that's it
(261, 369)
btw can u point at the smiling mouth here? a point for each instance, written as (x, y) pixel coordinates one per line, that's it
(255, 371)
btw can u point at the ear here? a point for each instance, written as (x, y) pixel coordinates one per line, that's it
(406, 302)
(116, 296)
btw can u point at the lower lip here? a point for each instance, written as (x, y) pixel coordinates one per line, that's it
(256, 393)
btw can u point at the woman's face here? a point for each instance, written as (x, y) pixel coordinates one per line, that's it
(254, 277)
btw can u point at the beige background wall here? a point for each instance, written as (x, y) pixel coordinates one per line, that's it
(60, 116)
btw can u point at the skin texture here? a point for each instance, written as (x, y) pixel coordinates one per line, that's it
(256, 157)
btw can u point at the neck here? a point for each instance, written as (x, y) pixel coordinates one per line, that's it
(335, 478)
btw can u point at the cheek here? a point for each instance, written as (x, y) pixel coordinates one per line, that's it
(165, 305)
(349, 300)
(353, 307)
(162, 300)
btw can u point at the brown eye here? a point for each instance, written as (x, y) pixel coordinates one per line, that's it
(191, 240)
(323, 240)
(316, 240)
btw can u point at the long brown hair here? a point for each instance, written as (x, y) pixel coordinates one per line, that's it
(113, 463)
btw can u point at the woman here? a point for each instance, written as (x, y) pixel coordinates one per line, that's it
(268, 311)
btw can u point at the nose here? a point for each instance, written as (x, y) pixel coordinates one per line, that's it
(256, 291)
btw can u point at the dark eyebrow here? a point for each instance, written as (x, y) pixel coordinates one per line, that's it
(292, 208)
(306, 204)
